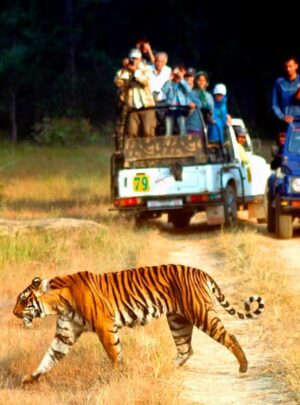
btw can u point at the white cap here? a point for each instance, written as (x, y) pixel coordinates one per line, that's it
(135, 53)
(220, 89)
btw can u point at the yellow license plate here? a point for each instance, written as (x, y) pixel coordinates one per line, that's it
(141, 182)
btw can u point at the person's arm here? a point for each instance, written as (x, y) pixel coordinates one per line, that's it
(210, 101)
(148, 50)
(185, 86)
(142, 75)
(275, 101)
(165, 90)
(121, 78)
(297, 95)
(195, 99)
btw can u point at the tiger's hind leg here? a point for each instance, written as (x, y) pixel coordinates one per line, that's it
(216, 330)
(181, 330)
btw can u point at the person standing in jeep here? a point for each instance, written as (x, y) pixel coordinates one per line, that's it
(286, 96)
(134, 82)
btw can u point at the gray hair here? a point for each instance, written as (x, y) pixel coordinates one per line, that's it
(162, 54)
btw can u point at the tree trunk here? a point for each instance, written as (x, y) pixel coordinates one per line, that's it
(13, 118)
(71, 41)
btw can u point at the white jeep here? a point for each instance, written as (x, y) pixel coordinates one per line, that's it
(183, 175)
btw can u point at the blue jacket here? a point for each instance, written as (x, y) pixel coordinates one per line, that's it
(216, 130)
(177, 93)
(282, 97)
(193, 121)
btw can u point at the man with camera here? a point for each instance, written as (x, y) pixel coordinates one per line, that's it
(134, 82)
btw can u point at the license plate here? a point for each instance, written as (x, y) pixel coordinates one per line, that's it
(141, 182)
(165, 203)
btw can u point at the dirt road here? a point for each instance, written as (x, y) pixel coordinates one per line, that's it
(211, 376)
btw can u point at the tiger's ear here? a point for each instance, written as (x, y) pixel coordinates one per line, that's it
(36, 282)
(39, 285)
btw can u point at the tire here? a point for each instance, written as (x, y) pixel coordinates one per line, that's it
(141, 220)
(179, 219)
(230, 207)
(271, 222)
(283, 223)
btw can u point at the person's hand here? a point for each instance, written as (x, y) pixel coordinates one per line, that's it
(288, 119)
(192, 105)
(228, 119)
(177, 74)
(146, 47)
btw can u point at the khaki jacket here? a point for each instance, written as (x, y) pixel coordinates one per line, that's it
(135, 87)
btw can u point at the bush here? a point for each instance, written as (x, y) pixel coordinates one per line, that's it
(65, 131)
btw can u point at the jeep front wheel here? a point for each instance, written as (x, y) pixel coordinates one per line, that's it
(284, 223)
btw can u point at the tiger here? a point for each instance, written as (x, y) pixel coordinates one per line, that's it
(104, 303)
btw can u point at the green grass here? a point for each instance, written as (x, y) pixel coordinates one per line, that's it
(53, 182)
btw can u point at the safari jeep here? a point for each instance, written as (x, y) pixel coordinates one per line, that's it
(284, 186)
(183, 175)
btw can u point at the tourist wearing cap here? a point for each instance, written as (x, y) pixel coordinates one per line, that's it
(219, 119)
(135, 81)
(241, 137)
(190, 76)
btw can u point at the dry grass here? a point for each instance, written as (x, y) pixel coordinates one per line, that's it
(86, 375)
(254, 262)
(65, 182)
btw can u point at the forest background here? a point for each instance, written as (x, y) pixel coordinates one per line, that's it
(58, 58)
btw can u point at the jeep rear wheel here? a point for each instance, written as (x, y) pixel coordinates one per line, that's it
(271, 218)
(230, 206)
(179, 219)
(284, 223)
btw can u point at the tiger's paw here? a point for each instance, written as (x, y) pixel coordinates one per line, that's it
(182, 358)
(29, 379)
(243, 367)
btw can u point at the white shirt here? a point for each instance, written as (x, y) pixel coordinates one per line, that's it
(157, 80)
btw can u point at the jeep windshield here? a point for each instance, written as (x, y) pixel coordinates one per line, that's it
(294, 142)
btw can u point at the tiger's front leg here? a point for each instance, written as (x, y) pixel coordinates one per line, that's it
(67, 333)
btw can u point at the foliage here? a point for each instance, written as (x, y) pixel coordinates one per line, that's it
(64, 131)
(59, 58)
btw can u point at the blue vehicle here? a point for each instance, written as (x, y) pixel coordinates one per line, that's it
(284, 186)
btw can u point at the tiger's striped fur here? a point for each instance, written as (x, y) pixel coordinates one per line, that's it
(104, 303)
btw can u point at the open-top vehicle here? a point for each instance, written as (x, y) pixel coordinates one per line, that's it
(183, 175)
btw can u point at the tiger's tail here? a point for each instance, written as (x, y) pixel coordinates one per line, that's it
(249, 313)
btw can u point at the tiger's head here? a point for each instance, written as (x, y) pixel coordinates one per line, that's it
(28, 305)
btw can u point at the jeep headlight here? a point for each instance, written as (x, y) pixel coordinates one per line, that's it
(295, 184)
